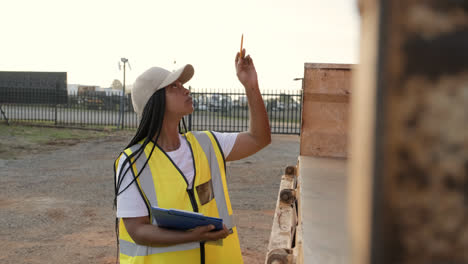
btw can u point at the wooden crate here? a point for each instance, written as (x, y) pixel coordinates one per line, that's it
(327, 90)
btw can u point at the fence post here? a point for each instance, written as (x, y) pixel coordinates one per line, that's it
(4, 115)
(189, 122)
(56, 100)
(301, 106)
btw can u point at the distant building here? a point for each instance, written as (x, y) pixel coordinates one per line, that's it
(75, 89)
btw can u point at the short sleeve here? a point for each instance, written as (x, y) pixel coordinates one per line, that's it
(129, 202)
(226, 141)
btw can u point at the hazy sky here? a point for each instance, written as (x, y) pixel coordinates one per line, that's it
(87, 38)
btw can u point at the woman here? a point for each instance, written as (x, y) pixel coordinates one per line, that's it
(184, 172)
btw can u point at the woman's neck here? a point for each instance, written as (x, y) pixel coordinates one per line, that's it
(169, 137)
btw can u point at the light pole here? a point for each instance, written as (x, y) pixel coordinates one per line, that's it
(302, 81)
(122, 102)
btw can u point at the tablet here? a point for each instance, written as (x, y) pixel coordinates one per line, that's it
(183, 220)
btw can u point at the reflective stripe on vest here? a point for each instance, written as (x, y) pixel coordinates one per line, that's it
(208, 148)
(134, 250)
(145, 178)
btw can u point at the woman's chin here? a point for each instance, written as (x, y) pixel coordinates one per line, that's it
(189, 111)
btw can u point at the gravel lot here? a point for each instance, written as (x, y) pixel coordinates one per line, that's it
(56, 200)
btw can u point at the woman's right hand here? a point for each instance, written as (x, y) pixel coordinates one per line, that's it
(205, 233)
(245, 70)
(144, 233)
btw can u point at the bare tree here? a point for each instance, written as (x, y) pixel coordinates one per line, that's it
(116, 85)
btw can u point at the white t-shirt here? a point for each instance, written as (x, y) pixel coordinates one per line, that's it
(130, 203)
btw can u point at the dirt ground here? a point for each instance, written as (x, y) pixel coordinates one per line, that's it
(56, 201)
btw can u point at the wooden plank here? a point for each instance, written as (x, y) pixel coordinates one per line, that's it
(284, 221)
(341, 66)
(327, 81)
(298, 249)
(323, 210)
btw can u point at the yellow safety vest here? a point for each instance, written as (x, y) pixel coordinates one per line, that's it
(163, 185)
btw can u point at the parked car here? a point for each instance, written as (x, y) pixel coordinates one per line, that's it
(93, 103)
(275, 105)
(242, 102)
(200, 106)
(200, 102)
(293, 105)
(220, 102)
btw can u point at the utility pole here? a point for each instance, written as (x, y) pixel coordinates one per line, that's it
(122, 102)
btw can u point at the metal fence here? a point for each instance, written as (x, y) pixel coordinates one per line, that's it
(224, 111)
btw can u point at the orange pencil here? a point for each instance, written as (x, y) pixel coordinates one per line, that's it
(242, 42)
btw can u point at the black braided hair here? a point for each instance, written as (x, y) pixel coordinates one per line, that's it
(150, 125)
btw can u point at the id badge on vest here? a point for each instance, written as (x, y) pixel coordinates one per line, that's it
(205, 192)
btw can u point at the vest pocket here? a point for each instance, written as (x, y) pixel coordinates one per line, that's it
(205, 192)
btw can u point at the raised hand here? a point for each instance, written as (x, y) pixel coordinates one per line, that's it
(245, 70)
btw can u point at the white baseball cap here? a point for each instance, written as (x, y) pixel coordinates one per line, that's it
(152, 80)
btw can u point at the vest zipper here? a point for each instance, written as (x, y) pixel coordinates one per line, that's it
(195, 209)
